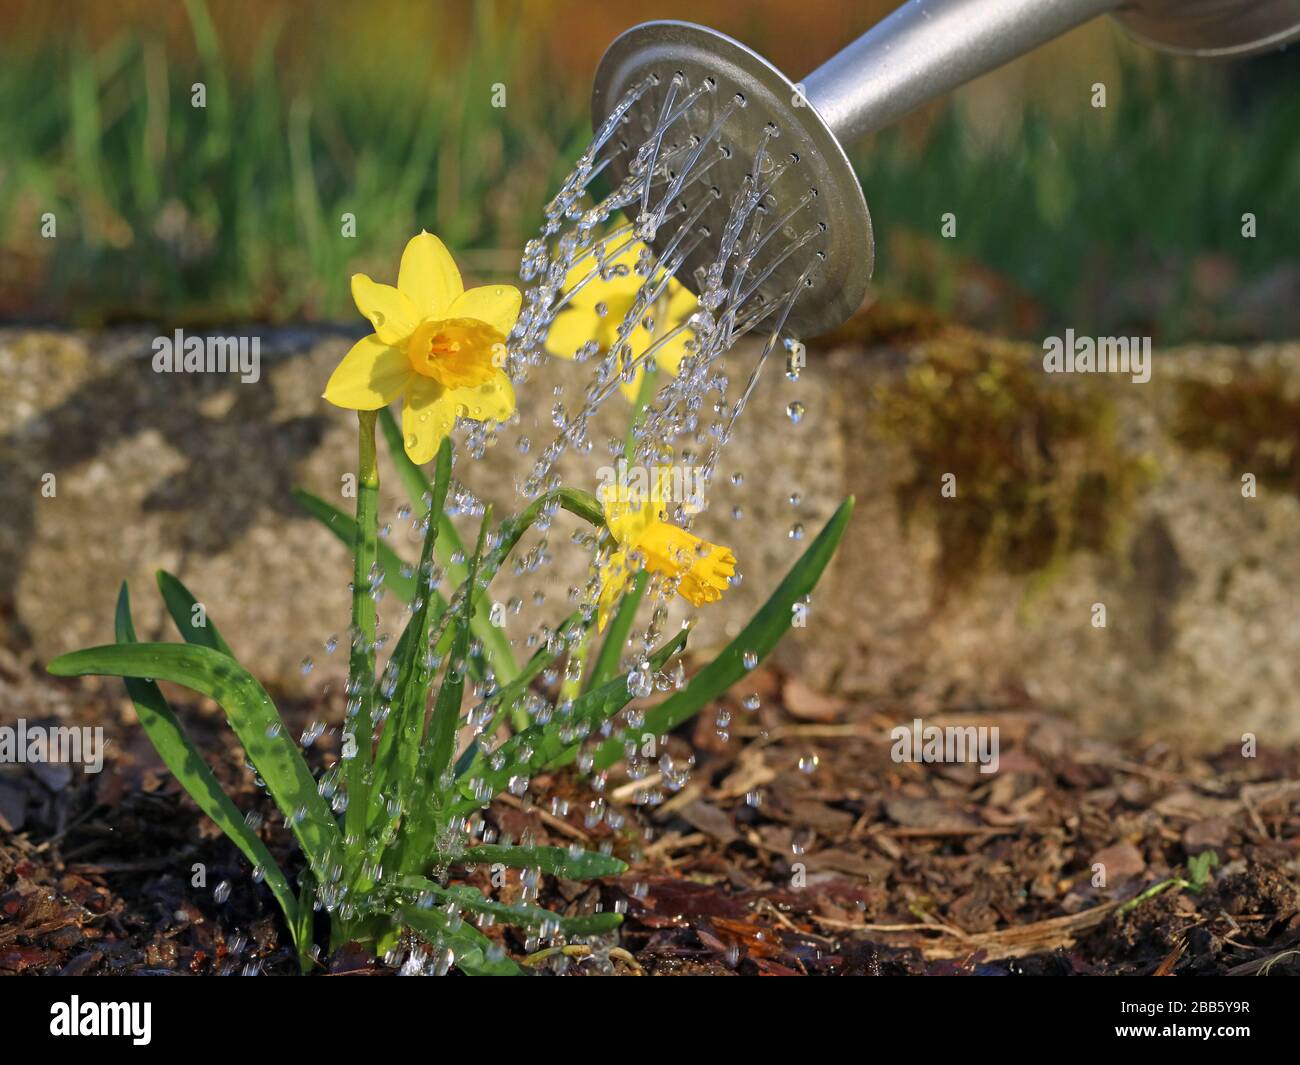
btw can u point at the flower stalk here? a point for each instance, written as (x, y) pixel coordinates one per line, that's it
(361, 664)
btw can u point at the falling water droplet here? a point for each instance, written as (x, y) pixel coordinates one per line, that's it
(795, 410)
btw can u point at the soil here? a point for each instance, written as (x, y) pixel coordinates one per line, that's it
(798, 847)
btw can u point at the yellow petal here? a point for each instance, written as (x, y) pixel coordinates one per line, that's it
(600, 288)
(428, 276)
(490, 402)
(703, 570)
(640, 339)
(498, 305)
(390, 312)
(572, 328)
(614, 575)
(628, 511)
(428, 414)
(370, 376)
(681, 305)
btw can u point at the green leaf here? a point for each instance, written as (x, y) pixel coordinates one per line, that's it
(399, 745)
(558, 861)
(251, 714)
(1199, 869)
(762, 634)
(508, 694)
(470, 898)
(496, 645)
(446, 708)
(183, 759)
(180, 605)
(539, 746)
(611, 651)
(470, 947)
(344, 526)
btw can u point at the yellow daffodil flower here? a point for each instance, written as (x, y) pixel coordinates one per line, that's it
(436, 344)
(580, 321)
(700, 569)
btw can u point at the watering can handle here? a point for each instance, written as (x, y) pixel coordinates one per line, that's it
(927, 48)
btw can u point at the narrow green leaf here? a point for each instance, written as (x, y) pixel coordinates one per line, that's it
(396, 579)
(762, 634)
(446, 708)
(251, 714)
(470, 898)
(302, 927)
(611, 651)
(508, 694)
(581, 504)
(344, 526)
(470, 947)
(558, 861)
(180, 605)
(179, 755)
(538, 746)
(399, 745)
(496, 646)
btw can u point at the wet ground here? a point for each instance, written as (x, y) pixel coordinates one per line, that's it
(799, 847)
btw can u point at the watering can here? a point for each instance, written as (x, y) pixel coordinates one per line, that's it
(799, 130)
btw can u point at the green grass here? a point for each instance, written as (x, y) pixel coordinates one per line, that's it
(235, 211)
(1100, 218)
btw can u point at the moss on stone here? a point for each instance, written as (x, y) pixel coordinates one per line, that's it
(1040, 473)
(1252, 418)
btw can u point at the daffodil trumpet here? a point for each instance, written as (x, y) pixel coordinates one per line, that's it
(641, 537)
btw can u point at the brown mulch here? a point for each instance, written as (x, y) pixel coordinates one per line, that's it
(797, 846)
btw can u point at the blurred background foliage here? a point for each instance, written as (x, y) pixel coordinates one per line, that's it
(1126, 219)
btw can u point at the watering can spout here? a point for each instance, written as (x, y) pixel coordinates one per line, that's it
(926, 48)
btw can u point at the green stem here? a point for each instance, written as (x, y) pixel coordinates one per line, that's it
(611, 651)
(361, 664)
(571, 687)
(1152, 892)
(496, 647)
